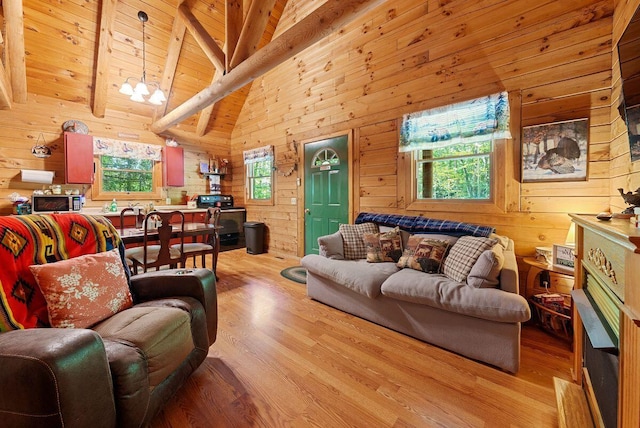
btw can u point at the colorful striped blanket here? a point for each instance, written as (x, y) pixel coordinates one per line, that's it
(37, 239)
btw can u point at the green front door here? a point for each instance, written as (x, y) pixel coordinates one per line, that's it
(326, 191)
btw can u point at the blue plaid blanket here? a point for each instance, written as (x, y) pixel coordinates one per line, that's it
(416, 224)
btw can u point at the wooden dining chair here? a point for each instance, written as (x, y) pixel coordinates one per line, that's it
(163, 253)
(127, 251)
(210, 244)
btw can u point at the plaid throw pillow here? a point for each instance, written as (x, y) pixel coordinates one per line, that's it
(463, 256)
(352, 237)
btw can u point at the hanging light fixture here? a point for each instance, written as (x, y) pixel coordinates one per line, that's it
(141, 89)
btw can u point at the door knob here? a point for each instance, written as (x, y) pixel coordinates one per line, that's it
(307, 211)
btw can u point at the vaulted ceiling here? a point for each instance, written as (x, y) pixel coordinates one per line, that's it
(83, 50)
(203, 54)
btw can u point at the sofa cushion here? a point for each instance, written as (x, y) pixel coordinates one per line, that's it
(357, 275)
(438, 291)
(352, 237)
(463, 256)
(331, 246)
(423, 254)
(485, 273)
(383, 246)
(83, 290)
(161, 334)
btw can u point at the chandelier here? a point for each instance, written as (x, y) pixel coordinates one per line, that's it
(141, 89)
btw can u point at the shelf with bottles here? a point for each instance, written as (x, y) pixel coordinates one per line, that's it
(214, 166)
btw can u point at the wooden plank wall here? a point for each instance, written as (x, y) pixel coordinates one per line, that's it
(623, 173)
(21, 127)
(408, 56)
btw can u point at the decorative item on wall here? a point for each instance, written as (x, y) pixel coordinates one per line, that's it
(214, 185)
(204, 167)
(287, 161)
(75, 126)
(630, 198)
(555, 151)
(216, 166)
(40, 150)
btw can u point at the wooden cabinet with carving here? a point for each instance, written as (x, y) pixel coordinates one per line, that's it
(607, 318)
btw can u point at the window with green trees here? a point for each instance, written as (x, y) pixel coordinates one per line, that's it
(259, 177)
(129, 175)
(459, 171)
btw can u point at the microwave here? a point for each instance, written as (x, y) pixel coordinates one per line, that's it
(57, 203)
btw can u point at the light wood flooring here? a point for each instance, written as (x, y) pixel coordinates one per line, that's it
(283, 360)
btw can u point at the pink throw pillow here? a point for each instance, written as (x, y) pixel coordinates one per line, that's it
(84, 290)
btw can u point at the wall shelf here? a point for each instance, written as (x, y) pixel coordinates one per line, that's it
(207, 174)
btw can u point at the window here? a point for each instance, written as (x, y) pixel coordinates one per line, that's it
(259, 173)
(125, 170)
(461, 171)
(259, 176)
(126, 174)
(452, 154)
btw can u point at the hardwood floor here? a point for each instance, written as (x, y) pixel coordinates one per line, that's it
(283, 360)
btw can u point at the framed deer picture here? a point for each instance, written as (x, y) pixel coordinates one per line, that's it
(555, 151)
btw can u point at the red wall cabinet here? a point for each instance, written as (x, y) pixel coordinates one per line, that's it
(173, 166)
(78, 158)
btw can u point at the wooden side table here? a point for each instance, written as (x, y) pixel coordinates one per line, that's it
(557, 280)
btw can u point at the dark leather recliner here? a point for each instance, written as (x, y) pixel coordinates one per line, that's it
(119, 372)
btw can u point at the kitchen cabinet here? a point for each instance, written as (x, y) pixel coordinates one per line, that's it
(173, 166)
(78, 158)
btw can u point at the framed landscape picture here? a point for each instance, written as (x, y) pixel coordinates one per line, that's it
(555, 151)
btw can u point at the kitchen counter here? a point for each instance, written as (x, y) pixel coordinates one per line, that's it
(183, 208)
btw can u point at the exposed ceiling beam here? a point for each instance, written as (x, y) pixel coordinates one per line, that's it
(232, 26)
(103, 60)
(171, 63)
(318, 24)
(205, 41)
(252, 31)
(14, 27)
(205, 114)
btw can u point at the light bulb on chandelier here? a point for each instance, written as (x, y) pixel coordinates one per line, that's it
(141, 89)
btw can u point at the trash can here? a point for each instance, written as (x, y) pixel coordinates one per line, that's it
(254, 237)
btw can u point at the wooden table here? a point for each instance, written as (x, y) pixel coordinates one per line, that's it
(135, 235)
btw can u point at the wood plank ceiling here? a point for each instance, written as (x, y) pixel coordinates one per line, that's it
(204, 54)
(82, 51)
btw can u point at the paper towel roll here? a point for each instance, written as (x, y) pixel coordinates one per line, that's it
(33, 176)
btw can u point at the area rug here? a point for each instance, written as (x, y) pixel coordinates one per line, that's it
(295, 273)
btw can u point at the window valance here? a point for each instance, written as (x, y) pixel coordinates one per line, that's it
(471, 121)
(126, 149)
(258, 155)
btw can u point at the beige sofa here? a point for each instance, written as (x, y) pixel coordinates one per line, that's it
(480, 323)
